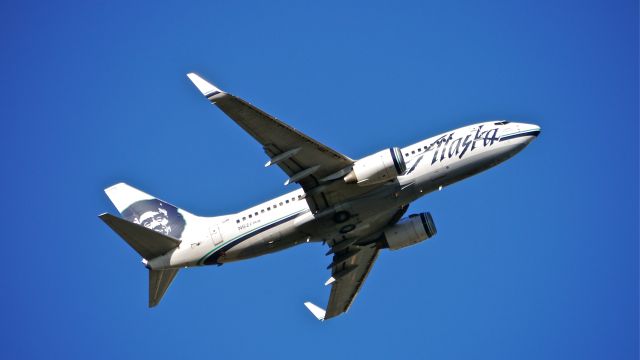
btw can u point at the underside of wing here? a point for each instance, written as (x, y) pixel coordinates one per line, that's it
(353, 259)
(349, 271)
(306, 161)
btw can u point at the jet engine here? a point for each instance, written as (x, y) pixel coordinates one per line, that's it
(380, 167)
(409, 231)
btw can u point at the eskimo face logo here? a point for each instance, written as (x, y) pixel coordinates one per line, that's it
(156, 215)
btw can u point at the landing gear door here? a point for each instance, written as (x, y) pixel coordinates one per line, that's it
(214, 233)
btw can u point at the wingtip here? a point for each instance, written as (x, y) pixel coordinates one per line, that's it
(206, 88)
(330, 281)
(317, 311)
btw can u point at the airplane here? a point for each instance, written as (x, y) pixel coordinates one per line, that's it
(355, 207)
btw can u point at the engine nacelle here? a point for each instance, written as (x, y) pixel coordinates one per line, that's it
(380, 167)
(410, 231)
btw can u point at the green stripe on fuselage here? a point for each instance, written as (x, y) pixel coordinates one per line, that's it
(244, 234)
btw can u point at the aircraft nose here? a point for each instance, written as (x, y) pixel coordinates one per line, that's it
(530, 129)
(522, 134)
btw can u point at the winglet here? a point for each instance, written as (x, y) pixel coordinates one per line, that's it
(317, 311)
(206, 88)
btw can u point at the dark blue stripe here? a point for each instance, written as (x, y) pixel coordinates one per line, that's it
(213, 257)
(209, 95)
(527, 133)
(395, 161)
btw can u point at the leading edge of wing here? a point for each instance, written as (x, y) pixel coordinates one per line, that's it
(305, 160)
(214, 93)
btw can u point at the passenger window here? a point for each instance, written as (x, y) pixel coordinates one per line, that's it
(275, 206)
(250, 216)
(237, 221)
(287, 201)
(269, 208)
(280, 203)
(256, 214)
(262, 211)
(244, 218)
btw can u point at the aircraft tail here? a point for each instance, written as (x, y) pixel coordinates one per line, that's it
(149, 244)
(151, 227)
(143, 209)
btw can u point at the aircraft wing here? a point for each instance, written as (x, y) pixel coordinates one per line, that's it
(349, 271)
(305, 160)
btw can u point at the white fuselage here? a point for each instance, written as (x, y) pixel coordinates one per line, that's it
(287, 220)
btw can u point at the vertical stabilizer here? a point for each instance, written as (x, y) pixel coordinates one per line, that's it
(143, 209)
(123, 195)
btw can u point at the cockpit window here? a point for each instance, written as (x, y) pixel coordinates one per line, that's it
(502, 123)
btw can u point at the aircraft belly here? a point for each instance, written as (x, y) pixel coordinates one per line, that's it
(357, 218)
(275, 239)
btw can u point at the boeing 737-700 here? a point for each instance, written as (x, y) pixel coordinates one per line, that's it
(355, 207)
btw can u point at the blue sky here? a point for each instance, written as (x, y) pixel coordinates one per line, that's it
(537, 258)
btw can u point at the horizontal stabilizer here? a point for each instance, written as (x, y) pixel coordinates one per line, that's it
(317, 311)
(148, 243)
(159, 281)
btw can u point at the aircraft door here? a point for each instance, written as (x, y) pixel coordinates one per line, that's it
(214, 233)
